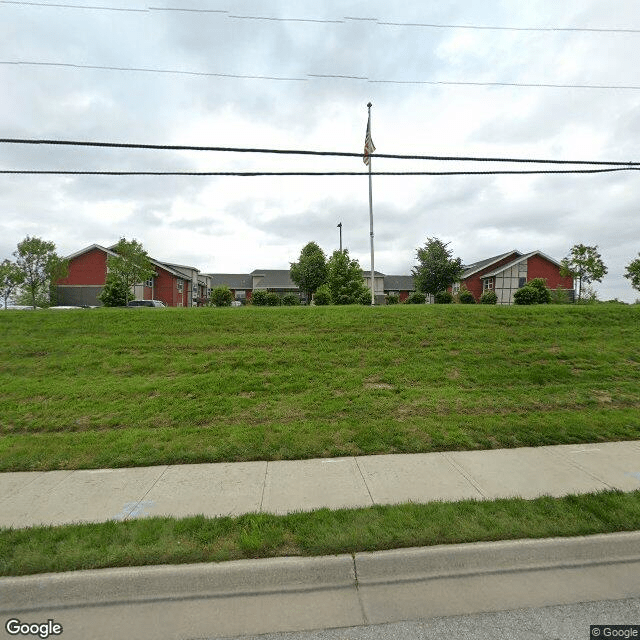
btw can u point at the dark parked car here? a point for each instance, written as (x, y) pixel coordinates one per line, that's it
(146, 303)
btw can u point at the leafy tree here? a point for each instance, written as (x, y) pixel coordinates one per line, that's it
(40, 267)
(437, 269)
(311, 269)
(393, 299)
(130, 267)
(559, 295)
(583, 264)
(323, 295)
(633, 273)
(345, 279)
(221, 296)
(10, 279)
(114, 293)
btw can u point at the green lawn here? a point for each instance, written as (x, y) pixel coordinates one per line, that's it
(130, 387)
(323, 532)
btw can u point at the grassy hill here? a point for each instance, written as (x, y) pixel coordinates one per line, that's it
(129, 387)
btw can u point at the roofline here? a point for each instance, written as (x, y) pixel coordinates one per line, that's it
(91, 248)
(466, 275)
(520, 259)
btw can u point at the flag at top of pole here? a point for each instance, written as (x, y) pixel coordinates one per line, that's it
(368, 142)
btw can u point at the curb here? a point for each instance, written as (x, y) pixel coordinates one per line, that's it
(272, 576)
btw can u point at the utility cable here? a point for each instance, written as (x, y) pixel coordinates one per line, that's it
(157, 147)
(312, 173)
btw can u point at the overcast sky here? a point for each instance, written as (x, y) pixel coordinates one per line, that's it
(237, 224)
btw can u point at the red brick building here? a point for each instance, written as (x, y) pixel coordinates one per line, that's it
(508, 272)
(175, 285)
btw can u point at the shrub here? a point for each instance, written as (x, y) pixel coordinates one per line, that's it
(273, 299)
(540, 285)
(221, 297)
(114, 293)
(443, 297)
(322, 295)
(365, 297)
(416, 298)
(559, 296)
(259, 298)
(489, 297)
(291, 300)
(526, 295)
(393, 299)
(466, 297)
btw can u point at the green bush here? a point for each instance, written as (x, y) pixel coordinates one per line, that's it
(416, 298)
(526, 295)
(466, 297)
(291, 300)
(559, 296)
(221, 297)
(489, 297)
(540, 285)
(322, 295)
(393, 299)
(365, 297)
(443, 297)
(114, 293)
(259, 298)
(273, 299)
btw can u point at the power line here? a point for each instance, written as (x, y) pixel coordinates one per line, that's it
(318, 76)
(167, 147)
(377, 21)
(310, 173)
(149, 70)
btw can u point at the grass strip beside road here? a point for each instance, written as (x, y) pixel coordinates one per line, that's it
(156, 541)
(137, 387)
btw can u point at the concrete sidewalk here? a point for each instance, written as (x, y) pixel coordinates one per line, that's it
(60, 497)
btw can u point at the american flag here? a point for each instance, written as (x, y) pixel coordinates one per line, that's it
(369, 148)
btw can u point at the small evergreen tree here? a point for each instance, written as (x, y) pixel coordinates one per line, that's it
(221, 296)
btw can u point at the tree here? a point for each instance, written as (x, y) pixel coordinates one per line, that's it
(130, 267)
(344, 277)
(584, 265)
(114, 293)
(633, 273)
(10, 279)
(437, 270)
(40, 267)
(311, 269)
(323, 295)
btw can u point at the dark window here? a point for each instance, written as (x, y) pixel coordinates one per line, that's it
(522, 282)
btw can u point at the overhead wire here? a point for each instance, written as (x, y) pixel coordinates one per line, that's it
(175, 147)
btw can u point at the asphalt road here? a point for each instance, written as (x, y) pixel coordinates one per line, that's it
(565, 622)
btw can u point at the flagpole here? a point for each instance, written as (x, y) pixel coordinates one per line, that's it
(373, 299)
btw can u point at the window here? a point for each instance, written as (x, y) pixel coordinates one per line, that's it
(487, 284)
(521, 282)
(456, 287)
(179, 284)
(149, 282)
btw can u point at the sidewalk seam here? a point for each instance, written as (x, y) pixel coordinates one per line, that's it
(556, 454)
(373, 502)
(465, 475)
(264, 485)
(166, 466)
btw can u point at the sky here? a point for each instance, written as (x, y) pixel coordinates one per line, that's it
(299, 75)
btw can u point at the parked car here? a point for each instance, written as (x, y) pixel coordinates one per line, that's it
(146, 303)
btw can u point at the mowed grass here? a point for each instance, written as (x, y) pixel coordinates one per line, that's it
(132, 387)
(198, 539)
